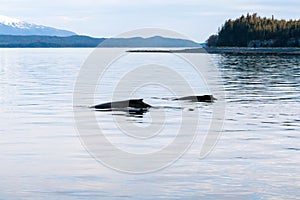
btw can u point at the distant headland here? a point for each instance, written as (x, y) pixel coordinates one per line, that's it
(255, 31)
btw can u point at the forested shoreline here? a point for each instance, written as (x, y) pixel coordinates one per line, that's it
(255, 31)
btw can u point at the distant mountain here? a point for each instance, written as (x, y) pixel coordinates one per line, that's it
(85, 41)
(155, 41)
(36, 41)
(17, 33)
(12, 26)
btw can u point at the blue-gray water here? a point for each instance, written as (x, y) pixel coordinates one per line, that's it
(256, 157)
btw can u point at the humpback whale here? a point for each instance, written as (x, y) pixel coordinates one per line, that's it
(203, 98)
(131, 103)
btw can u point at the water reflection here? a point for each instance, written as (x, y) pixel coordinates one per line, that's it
(127, 112)
(42, 157)
(264, 79)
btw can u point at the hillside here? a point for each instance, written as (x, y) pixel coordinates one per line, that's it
(48, 41)
(85, 41)
(155, 41)
(255, 31)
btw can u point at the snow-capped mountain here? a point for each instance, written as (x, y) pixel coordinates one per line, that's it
(12, 26)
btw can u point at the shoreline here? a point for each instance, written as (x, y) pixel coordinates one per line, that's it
(209, 50)
(227, 50)
(253, 51)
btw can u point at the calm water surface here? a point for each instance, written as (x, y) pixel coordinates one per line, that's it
(257, 155)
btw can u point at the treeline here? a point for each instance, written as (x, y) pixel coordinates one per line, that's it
(255, 31)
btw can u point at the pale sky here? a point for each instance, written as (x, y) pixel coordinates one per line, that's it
(197, 19)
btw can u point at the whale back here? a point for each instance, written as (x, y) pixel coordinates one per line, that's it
(206, 98)
(202, 98)
(138, 103)
(133, 103)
